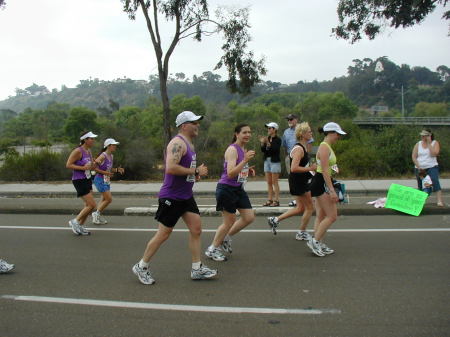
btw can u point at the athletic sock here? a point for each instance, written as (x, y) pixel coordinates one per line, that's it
(143, 264)
(196, 265)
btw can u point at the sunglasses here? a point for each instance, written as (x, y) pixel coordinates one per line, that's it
(290, 119)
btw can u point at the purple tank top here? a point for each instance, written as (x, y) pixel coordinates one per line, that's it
(180, 187)
(106, 165)
(86, 158)
(241, 177)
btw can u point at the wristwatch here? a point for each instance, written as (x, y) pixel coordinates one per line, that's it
(196, 172)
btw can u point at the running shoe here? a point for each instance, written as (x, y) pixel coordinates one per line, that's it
(83, 231)
(325, 249)
(96, 218)
(226, 245)
(314, 245)
(143, 274)
(5, 267)
(102, 219)
(215, 254)
(302, 236)
(273, 224)
(203, 273)
(75, 226)
(292, 203)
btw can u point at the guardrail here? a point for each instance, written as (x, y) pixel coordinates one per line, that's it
(431, 121)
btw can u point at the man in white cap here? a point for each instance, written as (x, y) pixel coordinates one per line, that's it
(176, 199)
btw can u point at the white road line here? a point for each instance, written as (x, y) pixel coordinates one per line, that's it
(343, 230)
(171, 307)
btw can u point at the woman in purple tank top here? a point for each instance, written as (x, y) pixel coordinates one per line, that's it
(102, 179)
(231, 196)
(81, 162)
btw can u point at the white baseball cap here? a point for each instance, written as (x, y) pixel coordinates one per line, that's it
(185, 117)
(331, 126)
(110, 141)
(88, 135)
(272, 125)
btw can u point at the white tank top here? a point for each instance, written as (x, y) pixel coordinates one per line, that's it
(424, 157)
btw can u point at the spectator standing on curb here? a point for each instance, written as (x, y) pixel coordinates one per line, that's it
(176, 199)
(424, 156)
(288, 141)
(81, 163)
(102, 180)
(270, 146)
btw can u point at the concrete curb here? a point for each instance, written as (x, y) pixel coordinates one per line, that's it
(357, 210)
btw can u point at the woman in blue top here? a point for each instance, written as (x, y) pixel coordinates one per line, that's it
(102, 179)
(230, 194)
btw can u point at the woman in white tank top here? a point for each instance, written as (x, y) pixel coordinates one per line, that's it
(424, 156)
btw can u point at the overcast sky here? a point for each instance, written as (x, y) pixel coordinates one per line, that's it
(54, 43)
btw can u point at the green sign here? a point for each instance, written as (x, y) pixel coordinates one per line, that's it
(406, 199)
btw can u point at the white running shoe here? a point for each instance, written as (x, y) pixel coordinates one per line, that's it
(83, 231)
(102, 219)
(273, 224)
(226, 245)
(75, 226)
(143, 274)
(314, 245)
(292, 203)
(215, 254)
(5, 267)
(302, 236)
(325, 249)
(203, 273)
(96, 218)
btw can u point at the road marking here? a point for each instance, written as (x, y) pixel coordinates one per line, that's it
(343, 230)
(171, 307)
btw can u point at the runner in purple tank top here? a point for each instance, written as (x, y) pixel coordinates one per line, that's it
(81, 162)
(230, 194)
(176, 200)
(105, 171)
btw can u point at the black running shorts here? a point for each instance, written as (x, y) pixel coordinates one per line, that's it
(170, 210)
(231, 198)
(83, 186)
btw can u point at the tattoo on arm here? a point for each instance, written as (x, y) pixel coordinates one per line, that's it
(176, 153)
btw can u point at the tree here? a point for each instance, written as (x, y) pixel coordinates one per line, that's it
(191, 18)
(357, 16)
(79, 120)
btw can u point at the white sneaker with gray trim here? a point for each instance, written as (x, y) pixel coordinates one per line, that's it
(203, 273)
(75, 226)
(96, 218)
(143, 274)
(314, 245)
(215, 254)
(325, 249)
(5, 267)
(302, 236)
(226, 245)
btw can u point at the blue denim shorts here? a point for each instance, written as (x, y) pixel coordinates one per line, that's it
(433, 172)
(271, 167)
(101, 185)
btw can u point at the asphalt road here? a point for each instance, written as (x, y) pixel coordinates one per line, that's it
(388, 277)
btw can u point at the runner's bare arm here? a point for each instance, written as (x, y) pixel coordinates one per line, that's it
(74, 156)
(175, 151)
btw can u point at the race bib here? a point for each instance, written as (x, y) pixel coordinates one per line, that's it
(87, 173)
(243, 175)
(106, 179)
(335, 168)
(191, 177)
